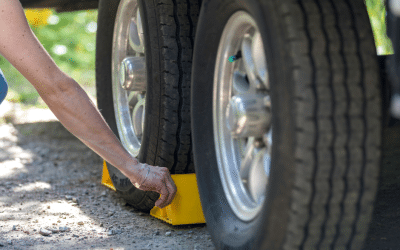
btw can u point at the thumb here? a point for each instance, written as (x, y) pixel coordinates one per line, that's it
(158, 203)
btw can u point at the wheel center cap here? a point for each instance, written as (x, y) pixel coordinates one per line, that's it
(247, 115)
(132, 75)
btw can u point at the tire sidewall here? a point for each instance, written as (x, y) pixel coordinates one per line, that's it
(269, 227)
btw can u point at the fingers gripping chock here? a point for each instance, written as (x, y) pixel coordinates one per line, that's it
(185, 207)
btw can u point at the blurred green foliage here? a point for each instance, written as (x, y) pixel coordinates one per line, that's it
(377, 16)
(70, 39)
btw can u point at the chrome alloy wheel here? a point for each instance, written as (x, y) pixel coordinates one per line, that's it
(242, 116)
(129, 80)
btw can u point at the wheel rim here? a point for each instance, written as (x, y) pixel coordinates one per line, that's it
(129, 81)
(242, 116)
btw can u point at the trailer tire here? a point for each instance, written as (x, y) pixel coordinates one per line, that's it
(168, 33)
(326, 121)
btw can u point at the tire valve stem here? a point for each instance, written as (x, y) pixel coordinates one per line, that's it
(235, 57)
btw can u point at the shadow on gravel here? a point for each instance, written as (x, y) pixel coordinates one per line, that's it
(41, 165)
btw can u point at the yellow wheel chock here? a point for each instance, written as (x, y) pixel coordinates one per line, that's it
(186, 206)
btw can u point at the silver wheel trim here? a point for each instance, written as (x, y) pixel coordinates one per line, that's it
(128, 42)
(238, 157)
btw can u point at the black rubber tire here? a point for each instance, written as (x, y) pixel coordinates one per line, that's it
(169, 28)
(327, 130)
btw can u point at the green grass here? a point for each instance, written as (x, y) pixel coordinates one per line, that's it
(377, 12)
(71, 32)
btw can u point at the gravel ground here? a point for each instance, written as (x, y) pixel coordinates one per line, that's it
(51, 196)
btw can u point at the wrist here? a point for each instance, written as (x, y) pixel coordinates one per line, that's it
(131, 169)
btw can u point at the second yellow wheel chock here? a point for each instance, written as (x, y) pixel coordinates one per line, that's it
(186, 206)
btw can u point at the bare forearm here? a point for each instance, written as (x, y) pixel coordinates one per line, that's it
(79, 115)
(71, 104)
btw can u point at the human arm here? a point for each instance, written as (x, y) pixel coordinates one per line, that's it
(69, 102)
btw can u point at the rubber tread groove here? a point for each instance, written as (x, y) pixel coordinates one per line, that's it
(189, 157)
(178, 132)
(315, 115)
(333, 108)
(361, 193)
(347, 143)
(190, 23)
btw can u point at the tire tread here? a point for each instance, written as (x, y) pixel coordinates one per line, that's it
(330, 195)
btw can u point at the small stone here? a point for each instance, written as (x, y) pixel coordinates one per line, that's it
(26, 232)
(168, 234)
(111, 213)
(9, 242)
(75, 235)
(35, 221)
(75, 200)
(103, 193)
(68, 197)
(44, 232)
(64, 229)
(54, 230)
(111, 232)
(157, 233)
(80, 223)
(190, 232)
(22, 196)
(48, 207)
(179, 233)
(14, 227)
(101, 225)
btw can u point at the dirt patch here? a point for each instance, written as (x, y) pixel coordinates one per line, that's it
(51, 197)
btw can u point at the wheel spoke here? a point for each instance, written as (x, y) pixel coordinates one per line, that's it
(132, 98)
(136, 34)
(137, 117)
(258, 178)
(258, 55)
(248, 63)
(247, 158)
(239, 83)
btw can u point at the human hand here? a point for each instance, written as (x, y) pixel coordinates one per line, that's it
(157, 179)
